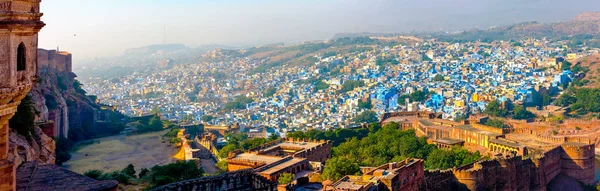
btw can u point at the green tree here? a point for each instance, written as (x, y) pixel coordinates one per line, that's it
(129, 170)
(222, 165)
(207, 118)
(270, 92)
(496, 123)
(273, 137)
(522, 113)
(566, 65)
(321, 85)
(23, 119)
(176, 141)
(438, 78)
(565, 100)
(445, 159)
(366, 117)
(365, 105)
(238, 103)
(155, 124)
(286, 178)
(337, 167)
(402, 99)
(173, 172)
(143, 172)
(350, 85)
(93, 174)
(494, 108)
(418, 96)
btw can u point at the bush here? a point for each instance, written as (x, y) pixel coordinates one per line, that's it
(286, 178)
(116, 175)
(63, 147)
(23, 119)
(95, 174)
(496, 123)
(222, 165)
(129, 170)
(366, 117)
(143, 172)
(177, 171)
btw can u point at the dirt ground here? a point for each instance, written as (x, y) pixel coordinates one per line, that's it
(116, 152)
(209, 166)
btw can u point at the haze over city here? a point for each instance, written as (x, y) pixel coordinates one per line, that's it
(92, 29)
(300, 95)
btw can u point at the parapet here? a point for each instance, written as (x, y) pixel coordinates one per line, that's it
(579, 150)
(58, 60)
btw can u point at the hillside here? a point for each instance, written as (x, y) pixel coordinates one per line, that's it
(585, 23)
(592, 65)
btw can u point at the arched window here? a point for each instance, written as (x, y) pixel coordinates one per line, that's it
(21, 57)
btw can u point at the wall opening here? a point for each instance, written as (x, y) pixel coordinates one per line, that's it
(21, 57)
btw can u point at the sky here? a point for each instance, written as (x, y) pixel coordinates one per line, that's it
(93, 28)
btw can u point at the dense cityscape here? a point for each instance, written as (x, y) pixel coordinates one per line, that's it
(332, 88)
(299, 100)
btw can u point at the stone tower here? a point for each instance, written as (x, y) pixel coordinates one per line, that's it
(19, 26)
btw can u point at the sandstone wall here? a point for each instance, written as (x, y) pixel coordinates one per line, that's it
(575, 160)
(243, 180)
(60, 61)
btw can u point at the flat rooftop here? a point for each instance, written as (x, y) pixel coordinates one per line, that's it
(473, 129)
(32, 176)
(352, 183)
(401, 119)
(448, 141)
(282, 166)
(506, 143)
(254, 157)
(303, 145)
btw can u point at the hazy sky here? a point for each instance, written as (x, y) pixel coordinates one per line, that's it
(94, 28)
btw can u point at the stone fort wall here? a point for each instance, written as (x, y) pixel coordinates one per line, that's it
(61, 61)
(243, 180)
(515, 173)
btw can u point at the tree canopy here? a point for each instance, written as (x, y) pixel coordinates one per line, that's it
(366, 117)
(350, 85)
(496, 123)
(495, 108)
(286, 178)
(238, 103)
(390, 144)
(240, 141)
(522, 113)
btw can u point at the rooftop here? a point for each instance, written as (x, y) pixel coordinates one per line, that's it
(254, 157)
(34, 177)
(506, 143)
(282, 166)
(448, 141)
(469, 127)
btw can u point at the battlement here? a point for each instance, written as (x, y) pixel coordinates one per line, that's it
(60, 61)
(579, 150)
(575, 160)
(245, 162)
(237, 180)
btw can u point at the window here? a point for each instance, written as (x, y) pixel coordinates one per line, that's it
(21, 57)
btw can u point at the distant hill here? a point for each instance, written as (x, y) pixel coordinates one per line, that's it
(153, 49)
(587, 16)
(584, 23)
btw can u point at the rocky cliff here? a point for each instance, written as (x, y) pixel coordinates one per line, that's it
(64, 109)
(61, 111)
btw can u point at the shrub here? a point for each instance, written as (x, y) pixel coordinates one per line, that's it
(93, 173)
(286, 178)
(129, 170)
